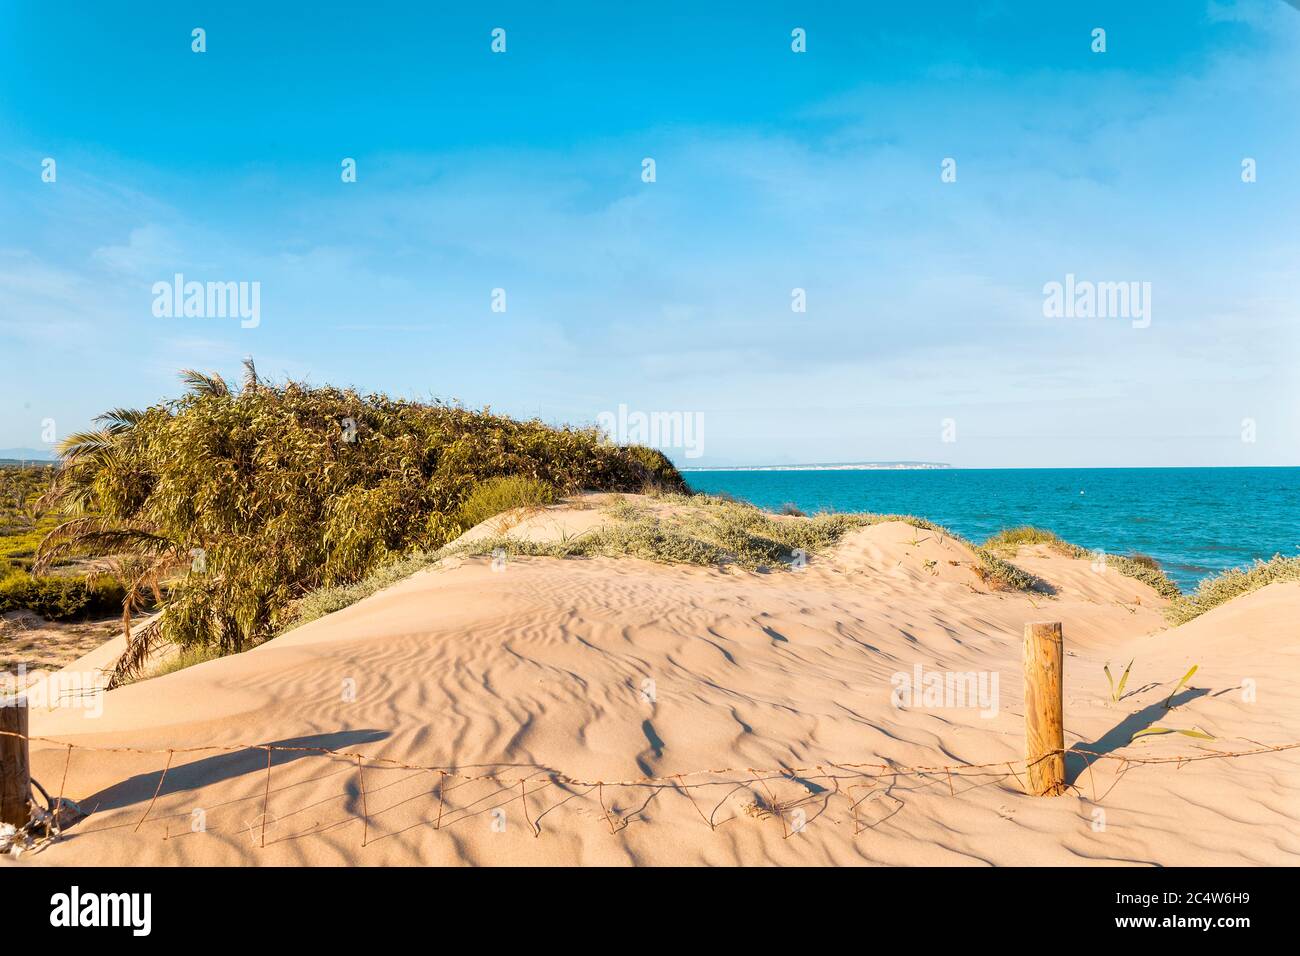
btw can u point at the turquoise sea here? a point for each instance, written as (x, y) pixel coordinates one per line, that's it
(1194, 521)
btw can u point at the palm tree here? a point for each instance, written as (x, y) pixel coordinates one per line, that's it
(96, 467)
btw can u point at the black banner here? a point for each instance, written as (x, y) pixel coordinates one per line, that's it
(336, 905)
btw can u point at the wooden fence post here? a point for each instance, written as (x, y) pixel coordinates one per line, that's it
(15, 766)
(1044, 711)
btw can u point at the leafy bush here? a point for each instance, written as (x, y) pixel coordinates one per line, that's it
(492, 497)
(243, 500)
(660, 475)
(60, 597)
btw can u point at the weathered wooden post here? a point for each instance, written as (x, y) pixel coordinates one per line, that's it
(15, 765)
(1044, 711)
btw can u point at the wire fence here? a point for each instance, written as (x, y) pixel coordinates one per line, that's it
(830, 779)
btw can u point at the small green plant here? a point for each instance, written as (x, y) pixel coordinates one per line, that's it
(1194, 732)
(1186, 677)
(1117, 692)
(997, 572)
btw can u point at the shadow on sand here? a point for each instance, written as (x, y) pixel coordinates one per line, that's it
(224, 766)
(1081, 754)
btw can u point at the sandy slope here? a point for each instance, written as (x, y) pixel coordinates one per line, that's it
(616, 669)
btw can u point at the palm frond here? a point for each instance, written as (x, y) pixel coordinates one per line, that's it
(95, 536)
(84, 444)
(118, 420)
(204, 383)
(139, 646)
(73, 495)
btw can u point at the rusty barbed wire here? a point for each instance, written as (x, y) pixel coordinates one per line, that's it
(676, 781)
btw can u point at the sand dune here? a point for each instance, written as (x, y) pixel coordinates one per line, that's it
(618, 669)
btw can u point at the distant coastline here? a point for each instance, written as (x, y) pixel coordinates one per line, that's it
(17, 455)
(834, 466)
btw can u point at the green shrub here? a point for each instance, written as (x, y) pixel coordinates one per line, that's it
(660, 475)
(49, 597)
(284, 489)
(60, 597)
(496, 495)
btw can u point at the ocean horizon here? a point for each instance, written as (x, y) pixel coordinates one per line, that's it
(1197, 522)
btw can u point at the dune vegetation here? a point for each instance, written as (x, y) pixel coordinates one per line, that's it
(702, 530)
(241, 512)
(1233, 583)
(1137, 566)
(496, 495)
(227, 504)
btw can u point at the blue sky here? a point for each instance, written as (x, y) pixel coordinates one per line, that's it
(775, 171)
